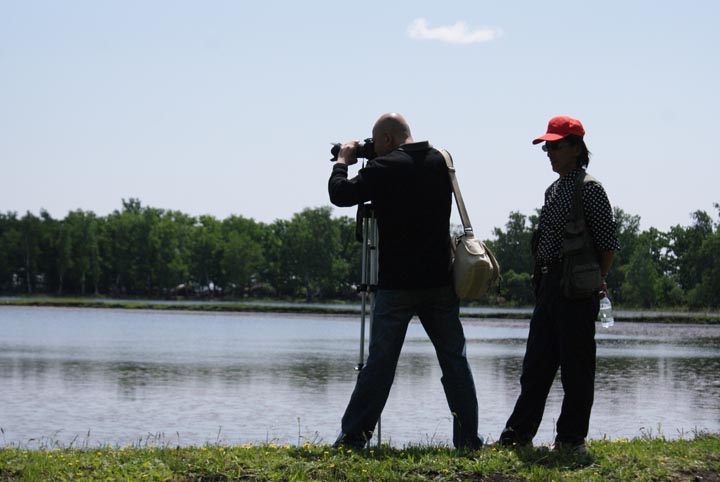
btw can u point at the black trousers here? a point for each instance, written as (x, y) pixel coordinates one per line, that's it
(562, 335)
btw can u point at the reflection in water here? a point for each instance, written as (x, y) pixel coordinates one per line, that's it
(125, 374)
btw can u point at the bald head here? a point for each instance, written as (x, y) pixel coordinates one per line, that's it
(390, 131)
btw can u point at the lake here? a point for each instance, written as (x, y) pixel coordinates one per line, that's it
(90, 377)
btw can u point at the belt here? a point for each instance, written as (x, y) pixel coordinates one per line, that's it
(550, 267)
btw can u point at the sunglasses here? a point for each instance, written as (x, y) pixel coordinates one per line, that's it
(554, 146)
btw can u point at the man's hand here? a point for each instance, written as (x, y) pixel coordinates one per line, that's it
(603, 289)
(348, 153)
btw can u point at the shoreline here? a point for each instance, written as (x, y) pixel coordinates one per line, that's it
(339, 309)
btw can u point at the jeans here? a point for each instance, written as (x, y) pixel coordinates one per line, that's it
(438, 310)
(562, 335)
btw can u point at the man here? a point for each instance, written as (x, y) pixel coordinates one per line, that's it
(409, 187)
(562, 328)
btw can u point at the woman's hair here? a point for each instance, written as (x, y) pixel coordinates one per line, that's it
(583, 159)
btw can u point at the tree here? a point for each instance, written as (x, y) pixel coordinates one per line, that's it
(94, 270)
(517, 287)
(206, 252)
(277, 270)
(125, 248)
(685, 244)
(243, 253)
(627, 229)
(79, 241)
(513, 250)
(512, 246)
(11, 253)
(347, 265)
(168, 247)
(62, 244)
(30, 235)
(641, 274)
(706, 293)
(314, 243)
(242, 259)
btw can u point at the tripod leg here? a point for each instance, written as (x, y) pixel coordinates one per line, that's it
(361, 360)
(372, 286)
(368, 284)
(363, 288)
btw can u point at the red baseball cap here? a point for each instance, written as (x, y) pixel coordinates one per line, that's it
(560, 127)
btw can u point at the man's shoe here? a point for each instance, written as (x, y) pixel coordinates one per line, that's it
(508, 443)
(570, 448)
(475, 444)
(346, 441)
(510, 439)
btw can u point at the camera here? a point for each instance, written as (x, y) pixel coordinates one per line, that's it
(366, 150)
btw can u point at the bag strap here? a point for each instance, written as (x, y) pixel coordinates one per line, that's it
(456, 190)
(577, 212)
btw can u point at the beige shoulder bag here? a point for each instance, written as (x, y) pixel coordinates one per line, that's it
(475, 268)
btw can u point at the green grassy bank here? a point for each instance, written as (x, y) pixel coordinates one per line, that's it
(641, 459)
(665, 317)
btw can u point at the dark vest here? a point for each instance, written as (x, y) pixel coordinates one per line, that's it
(581, 276)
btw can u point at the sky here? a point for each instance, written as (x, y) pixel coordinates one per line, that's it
(229, 107)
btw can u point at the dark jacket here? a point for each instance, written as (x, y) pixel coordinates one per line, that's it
(411, 193)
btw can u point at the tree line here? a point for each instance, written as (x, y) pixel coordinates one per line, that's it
(151, 252)
(653, 269)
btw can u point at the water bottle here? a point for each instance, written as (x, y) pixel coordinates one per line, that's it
(606, 315)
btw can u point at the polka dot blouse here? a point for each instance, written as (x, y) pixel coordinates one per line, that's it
(558, 201)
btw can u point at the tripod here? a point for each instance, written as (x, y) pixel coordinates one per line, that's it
(368, 282)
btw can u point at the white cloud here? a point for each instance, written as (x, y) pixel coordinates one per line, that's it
(453, 34)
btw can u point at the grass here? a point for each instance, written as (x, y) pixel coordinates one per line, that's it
(641, 459)
(147, 305)
(681, 317)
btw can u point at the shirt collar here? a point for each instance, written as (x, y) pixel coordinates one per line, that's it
(570, 176)
(415, 146)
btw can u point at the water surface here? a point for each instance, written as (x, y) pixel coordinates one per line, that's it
(97, 376)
